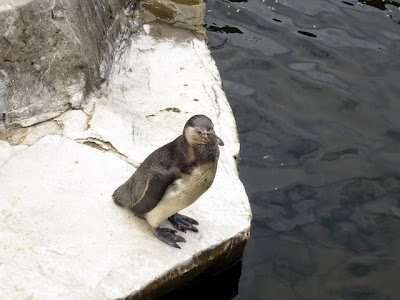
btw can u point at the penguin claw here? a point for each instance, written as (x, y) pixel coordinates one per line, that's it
(187, 219)
(168, 236)
(183, 223)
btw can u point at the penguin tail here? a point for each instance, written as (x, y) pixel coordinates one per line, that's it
(116, 201)
(117, 196)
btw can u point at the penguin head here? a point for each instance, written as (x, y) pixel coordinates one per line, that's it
(199, 130)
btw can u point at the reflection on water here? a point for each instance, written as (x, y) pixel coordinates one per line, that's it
(314, 89)
(380, 4)
(225, 29)
(307, 33)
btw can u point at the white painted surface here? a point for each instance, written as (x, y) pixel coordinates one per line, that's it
(6, 152)
(61, 235)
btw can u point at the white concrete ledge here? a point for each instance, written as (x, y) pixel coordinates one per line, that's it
(61, 234)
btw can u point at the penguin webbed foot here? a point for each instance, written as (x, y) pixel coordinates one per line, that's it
(183, 223)
(168, 236)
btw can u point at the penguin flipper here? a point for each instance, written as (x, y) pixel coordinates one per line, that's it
(155, 189)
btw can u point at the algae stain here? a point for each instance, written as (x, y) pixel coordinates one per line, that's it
(187, 2)
(173, 109)
(152, 115)
(159, 10)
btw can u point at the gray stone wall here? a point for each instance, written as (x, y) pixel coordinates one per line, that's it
(52, 53)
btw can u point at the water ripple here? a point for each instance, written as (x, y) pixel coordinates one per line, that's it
(314, 89)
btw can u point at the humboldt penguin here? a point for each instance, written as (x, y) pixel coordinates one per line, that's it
(172, 178)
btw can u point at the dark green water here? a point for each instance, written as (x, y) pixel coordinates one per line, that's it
(315, 90)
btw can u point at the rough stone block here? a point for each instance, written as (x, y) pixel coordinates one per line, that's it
(50, 58)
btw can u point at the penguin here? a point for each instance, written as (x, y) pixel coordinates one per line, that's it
(172, 178)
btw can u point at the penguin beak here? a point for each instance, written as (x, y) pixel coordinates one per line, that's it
(214, 138)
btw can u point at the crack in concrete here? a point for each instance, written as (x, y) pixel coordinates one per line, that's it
(99, 144)
(93, 142)
(96, 142)
(89, 113)
(215, 102)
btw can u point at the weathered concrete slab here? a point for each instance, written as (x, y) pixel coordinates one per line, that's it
(61, 235)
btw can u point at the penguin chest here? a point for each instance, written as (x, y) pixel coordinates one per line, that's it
(182, 193)
(191, 186)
